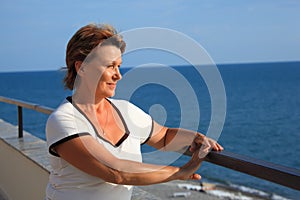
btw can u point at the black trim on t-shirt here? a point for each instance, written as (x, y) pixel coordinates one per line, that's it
(121, 116)
(123, 138)
(150, 135)
(69, 98)
(52, 146)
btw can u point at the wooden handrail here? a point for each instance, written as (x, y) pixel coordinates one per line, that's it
(286, 176)
(36, 107)
(22, 104)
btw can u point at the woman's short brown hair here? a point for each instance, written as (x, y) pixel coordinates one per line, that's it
(83, 42)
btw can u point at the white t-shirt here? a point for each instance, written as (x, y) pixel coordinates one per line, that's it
(66, 182)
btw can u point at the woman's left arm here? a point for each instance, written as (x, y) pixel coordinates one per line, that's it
(176, 139)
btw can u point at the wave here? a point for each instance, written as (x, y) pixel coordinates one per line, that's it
(240, 192)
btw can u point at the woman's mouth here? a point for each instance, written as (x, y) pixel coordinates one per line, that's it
(112, 85)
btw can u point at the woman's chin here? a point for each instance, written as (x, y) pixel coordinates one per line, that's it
(111, 94)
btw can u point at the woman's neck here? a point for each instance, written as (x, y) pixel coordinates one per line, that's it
(85, 100)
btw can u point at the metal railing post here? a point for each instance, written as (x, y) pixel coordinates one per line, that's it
(20, 121)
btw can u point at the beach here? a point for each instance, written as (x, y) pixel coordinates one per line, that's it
(172, 190)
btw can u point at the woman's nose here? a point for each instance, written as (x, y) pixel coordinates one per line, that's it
(117, 74)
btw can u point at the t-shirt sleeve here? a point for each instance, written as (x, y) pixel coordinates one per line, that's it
(62, 127)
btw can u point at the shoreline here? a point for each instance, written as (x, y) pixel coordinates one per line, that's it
(172, 190)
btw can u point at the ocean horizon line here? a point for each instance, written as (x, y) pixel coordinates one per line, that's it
(63, 68)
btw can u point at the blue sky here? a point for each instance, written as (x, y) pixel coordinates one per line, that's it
(34, 33)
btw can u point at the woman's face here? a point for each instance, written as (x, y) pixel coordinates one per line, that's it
(104, 70)
(111, 60)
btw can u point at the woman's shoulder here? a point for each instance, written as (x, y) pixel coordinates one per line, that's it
(118, 101)
(122, 104)
(129, 109)
(64, 109)
(64, 106)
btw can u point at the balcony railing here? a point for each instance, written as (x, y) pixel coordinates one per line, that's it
(286, 176)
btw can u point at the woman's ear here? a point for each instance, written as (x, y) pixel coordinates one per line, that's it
(78, 65)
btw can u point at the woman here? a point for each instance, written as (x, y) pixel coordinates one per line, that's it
(94, 141)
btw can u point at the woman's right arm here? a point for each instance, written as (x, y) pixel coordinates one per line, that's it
(86, 154)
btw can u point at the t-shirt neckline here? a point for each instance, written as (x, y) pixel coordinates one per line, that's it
(122, 139)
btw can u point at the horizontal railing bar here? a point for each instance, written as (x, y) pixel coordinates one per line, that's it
(36, 107)
(286, 176)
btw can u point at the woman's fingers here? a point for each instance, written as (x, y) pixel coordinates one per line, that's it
(218, 147)
(195, 177)
(205, 143)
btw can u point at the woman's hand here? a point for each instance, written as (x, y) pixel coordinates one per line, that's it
(188, 170)
(200, 147)
(205, 145)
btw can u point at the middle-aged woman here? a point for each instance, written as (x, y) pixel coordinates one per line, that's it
(95, 141)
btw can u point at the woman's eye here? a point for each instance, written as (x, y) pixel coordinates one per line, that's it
(114, 66)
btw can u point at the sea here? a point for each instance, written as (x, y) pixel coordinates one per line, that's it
(262, 111)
